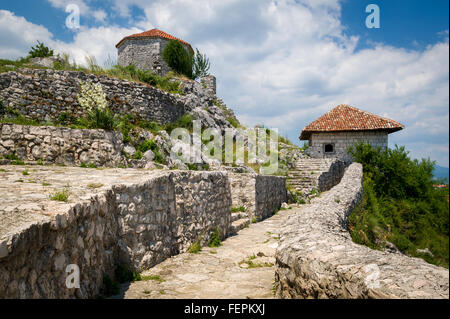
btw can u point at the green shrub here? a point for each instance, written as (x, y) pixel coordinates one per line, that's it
(200, 65)
(176, 57)
(400, 204)
(138, 155)
(192, 166)
(101, 118)
(40, 51)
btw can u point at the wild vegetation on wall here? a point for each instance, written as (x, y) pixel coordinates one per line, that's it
(400, 205)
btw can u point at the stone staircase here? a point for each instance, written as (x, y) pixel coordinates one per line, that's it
(239, 220)
(314, 175)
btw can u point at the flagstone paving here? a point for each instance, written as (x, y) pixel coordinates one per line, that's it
(242, 267)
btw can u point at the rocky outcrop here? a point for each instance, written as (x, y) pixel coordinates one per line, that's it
(316, 257)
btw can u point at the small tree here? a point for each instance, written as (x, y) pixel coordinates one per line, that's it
(40, 51)
(178, 58)
(200, 65)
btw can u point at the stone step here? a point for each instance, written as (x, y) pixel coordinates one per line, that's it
(239, 224)
(238, 215)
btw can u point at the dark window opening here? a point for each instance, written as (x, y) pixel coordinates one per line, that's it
(329, 148)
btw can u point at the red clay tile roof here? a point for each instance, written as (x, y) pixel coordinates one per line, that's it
(347, 118)
(153, 33)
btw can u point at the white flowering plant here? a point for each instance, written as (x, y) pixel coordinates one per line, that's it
(93, 100)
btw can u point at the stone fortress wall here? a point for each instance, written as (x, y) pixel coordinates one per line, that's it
(61, 145)
(341, 141)
(47, 94)
(316, 257)
(138, 224)
(260, 195)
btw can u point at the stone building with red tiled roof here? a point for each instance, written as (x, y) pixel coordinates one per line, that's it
(144, 50)
(331, 134)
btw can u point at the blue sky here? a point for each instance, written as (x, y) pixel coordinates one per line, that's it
(281, 63)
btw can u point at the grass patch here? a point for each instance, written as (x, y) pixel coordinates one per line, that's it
(251, 264)
(25, 173)
(195, 248)
(215, 240)
(61, 196)
(238, 209)
(157, 278)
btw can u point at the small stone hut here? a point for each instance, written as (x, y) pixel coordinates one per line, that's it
(144, 50)
(331, 134)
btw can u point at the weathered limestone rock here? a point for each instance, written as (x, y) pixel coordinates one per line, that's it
(316, 257)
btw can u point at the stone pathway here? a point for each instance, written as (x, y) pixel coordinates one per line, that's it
(243, 267)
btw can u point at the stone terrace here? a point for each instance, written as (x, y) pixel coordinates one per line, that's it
(26, 198)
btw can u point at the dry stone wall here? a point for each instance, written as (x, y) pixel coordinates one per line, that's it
(316, 257)
(137, 224)
(260, 195)
(61, 145)
(47, 94)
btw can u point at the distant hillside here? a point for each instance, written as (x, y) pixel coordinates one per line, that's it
(440, 172)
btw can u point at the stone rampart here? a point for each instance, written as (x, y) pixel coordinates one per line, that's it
(260, 195)
(48, 94)
(138, 224)
(316, 257)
